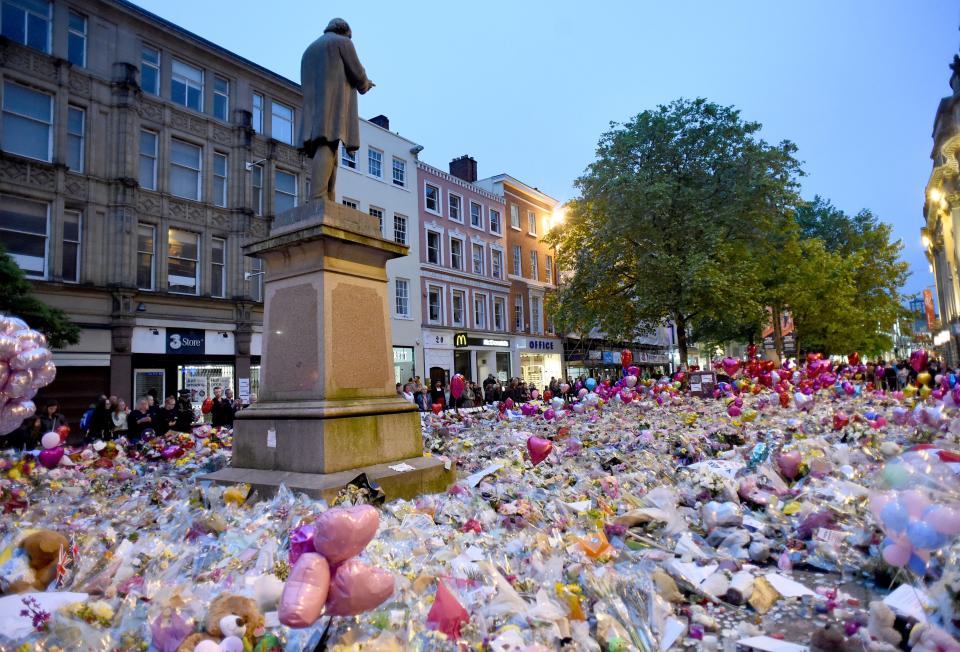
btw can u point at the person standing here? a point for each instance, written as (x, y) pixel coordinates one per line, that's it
(166, 417)
(118, 419)
(419, 391)
(100, 422)
(233, 405)
(139, 420)
(220, 410)
(437, 395)
(51, 419)
(185, 414)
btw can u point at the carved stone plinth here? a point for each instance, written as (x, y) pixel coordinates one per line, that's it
(327, 404)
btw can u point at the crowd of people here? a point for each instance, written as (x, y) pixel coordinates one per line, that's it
(491, 391)
(109, 417)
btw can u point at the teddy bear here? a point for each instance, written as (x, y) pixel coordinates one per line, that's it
(230, 618)
(33, 565)
(880, 635)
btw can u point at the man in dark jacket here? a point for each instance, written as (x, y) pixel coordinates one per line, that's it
(139, 420)
(166, 417)
(221, 413)
(185, 415)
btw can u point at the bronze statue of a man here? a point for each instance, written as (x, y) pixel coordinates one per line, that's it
(331, 76)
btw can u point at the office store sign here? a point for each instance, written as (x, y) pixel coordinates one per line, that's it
(185, 341)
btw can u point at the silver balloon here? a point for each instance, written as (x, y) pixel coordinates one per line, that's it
(44, 375)
(18, 383)
(21, 410)
(30, 339)
(10, 325)
(29, 393)
(4, 374)
(31, 359)
(9, 347)
(8, 425)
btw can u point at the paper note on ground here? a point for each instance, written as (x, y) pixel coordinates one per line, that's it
(787, 587)
(770, 644)
(474, 479)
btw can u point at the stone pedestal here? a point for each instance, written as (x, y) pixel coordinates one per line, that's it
(327, 409)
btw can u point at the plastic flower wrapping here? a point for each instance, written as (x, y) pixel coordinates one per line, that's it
(821, 511)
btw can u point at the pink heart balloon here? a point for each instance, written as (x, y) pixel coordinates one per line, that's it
(539, 448)
(305, 591)
(50, 457)
(356, 588)
(789, 463)
(342, 532)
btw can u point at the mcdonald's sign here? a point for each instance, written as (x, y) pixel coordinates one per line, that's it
(460, 340)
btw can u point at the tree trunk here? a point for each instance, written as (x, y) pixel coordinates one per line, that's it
(776, 313)
(680, 323)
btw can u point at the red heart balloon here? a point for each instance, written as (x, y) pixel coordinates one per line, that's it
(356, 588)
(626, 357)
(457, 385)
(854, 358)
(437, 408)
(539, 448)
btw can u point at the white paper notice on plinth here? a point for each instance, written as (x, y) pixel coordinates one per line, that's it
(243, 390)
(271, 438)
(909, 602)
(402, 467)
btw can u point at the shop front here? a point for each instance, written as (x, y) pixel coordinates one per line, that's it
(539, 359)
(475, 355)
(403, 364)
(605, 362)
(167, 359)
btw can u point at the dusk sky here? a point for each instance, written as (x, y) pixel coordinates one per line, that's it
(527, 88)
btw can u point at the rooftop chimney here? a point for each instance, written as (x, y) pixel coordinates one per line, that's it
(381, 121)
(464, 168)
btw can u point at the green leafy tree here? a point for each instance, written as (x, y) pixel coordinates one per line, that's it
(669, 222)
(17, 299)
(860, 311)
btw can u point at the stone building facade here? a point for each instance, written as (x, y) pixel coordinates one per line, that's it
(537, 352)
(136, 159)
(463, 275)
(941, 210)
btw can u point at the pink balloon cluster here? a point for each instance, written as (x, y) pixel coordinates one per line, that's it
(330, 580)
(26, 365)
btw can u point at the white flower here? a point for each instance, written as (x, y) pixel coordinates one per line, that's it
(102, 610)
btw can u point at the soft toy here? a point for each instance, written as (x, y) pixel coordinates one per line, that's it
(32, 565)
(930, 638)
(331, 580)
(880, 626)
(230, 619)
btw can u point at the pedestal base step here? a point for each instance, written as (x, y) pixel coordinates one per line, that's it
(428, 475)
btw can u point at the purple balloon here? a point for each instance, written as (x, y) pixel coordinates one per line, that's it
(168, 632)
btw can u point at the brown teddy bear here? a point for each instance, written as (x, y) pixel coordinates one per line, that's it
(229, 615)
(42, 551)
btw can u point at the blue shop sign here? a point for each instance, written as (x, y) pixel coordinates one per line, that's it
(185, 341)
(608, 357)
(541, 345)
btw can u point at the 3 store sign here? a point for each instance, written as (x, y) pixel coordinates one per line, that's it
(185, 341)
